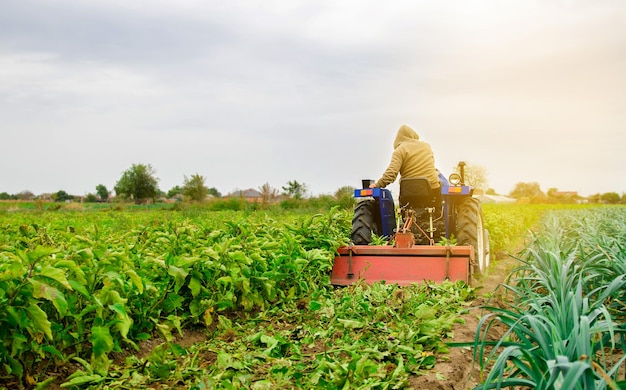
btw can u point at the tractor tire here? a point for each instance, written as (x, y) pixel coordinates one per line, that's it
(470, 230)
(364, 222)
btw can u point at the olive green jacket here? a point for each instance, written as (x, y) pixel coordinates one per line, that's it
(411, 158)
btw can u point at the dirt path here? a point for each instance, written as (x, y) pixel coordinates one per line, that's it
(457, 370)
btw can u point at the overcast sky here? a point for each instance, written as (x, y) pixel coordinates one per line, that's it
(252, 92)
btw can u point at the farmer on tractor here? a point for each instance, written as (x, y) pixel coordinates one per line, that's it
(411, 158)
(450, 241)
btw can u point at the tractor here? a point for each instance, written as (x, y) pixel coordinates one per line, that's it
(436, 234)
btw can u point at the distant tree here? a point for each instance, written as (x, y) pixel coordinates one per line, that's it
(344, 196)
(623, 200)
(6, 196)
(295, 190)
(268, 193)
(176, 190)
(194, 188)
(91, 198)
(531, 191)
(138, 183)
(25, 195)
(213, 191)
(345, 191)
(610, 197)
(475, 175)
(594, 198)
(62, 196)
(555, 196)
(491, 191)
(102, 192)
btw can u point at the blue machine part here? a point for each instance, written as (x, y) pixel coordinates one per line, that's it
(450, 195)
(447, 189)
(384, 199)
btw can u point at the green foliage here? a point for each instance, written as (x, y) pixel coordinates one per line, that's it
(379, 240)
(102, 192)
(138, 183)
(86, 288)
(176, 190)
(565, 319)
(293, 204)
(83, 287)
(62, 196)
(345, 191)
(194, 188)
(233, 204)
(610, 198)
(447, 241)
(91, 198)
(508, 224)
(312, 342)
(345, 197)
(213, 191)
(295, 190)
(6, 196)
(528, 192)
(68, 286)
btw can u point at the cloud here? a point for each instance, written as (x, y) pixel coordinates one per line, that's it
(249, 92)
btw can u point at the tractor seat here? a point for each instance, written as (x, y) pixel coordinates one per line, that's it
(417, 193)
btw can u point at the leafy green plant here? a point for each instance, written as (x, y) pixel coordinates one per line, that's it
(379, 240)
(560, 332)
(89, 287)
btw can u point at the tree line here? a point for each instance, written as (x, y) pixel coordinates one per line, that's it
(532, 193)
(139, 184)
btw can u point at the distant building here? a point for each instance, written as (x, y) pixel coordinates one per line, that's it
(250, 195)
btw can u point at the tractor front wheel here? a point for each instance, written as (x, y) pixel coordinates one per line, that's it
(364, 222)
(470, 230)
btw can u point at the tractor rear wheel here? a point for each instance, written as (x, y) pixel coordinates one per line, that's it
(364, 222)
(470, 230)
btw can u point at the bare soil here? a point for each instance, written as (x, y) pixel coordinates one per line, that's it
(457, 370)
(454, 371)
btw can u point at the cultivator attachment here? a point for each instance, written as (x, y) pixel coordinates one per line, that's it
(404, 266)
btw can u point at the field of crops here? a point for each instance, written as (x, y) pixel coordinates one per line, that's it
(565, 308)
(175, 299)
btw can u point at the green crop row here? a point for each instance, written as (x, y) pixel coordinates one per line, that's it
(79, 290)
(564, 317)
(509, 224)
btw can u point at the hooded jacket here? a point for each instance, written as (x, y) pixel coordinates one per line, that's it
(411, 158)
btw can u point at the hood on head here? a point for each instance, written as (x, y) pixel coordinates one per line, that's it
(405, 133)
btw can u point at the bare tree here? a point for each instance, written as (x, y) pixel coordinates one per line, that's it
(475, 175)
(268, 193)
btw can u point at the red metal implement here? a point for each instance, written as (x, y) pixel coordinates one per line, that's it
(403, 266)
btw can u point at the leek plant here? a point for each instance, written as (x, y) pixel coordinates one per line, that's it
(564, 316)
